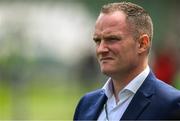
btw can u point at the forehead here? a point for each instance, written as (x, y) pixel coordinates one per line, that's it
(111, 22)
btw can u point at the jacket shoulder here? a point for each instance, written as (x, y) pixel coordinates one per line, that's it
(93, 94)
(167, 90)
(90, 97)
(86, 102)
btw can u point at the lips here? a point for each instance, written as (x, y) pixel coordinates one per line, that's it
(106, 58)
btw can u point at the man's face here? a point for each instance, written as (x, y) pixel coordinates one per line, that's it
(115, 47)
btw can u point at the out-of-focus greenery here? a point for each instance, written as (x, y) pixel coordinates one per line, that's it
(37, 90)
(5, 102)
(176, 82)
(39, 104)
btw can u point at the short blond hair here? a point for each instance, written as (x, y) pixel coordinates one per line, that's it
(137, 17)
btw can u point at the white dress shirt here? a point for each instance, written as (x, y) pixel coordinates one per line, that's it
(115, 111)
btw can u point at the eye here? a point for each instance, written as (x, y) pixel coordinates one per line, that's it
(97, 40)
(113, 39)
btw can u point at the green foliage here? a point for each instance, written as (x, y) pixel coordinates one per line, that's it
(39, 103)
(36, 90)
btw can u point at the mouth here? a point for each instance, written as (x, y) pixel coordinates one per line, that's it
(105, 59)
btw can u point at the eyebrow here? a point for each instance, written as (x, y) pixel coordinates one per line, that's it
(111, 35)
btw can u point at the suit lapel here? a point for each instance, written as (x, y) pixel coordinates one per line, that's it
(141, 99)
(97, 107)
(136, 107)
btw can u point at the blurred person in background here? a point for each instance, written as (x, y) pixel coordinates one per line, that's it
(166, 61)
(123, 36)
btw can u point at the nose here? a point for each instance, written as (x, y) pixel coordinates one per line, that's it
(102, 47)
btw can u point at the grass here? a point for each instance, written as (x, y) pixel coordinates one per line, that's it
(39, 103)
(5, 102)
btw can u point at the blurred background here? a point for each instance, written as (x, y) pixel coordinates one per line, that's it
(47, 58)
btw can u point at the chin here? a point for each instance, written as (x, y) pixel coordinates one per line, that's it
(107, 72)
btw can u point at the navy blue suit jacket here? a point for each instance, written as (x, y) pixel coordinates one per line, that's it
(154, 100)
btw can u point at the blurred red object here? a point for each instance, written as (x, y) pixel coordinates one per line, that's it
(165, 67)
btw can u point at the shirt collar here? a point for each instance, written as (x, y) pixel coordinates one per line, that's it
(133, 86)
(108, 88)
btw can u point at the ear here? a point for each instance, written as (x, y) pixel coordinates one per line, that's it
(144, 43)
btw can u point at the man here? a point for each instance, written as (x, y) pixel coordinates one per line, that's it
(123, 35)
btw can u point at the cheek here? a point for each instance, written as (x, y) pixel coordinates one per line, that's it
(128, 53)
(132, 54)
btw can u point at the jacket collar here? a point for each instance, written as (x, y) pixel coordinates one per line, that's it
(97, 106)
(141, 99)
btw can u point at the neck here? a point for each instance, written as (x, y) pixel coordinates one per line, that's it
(120, 81)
